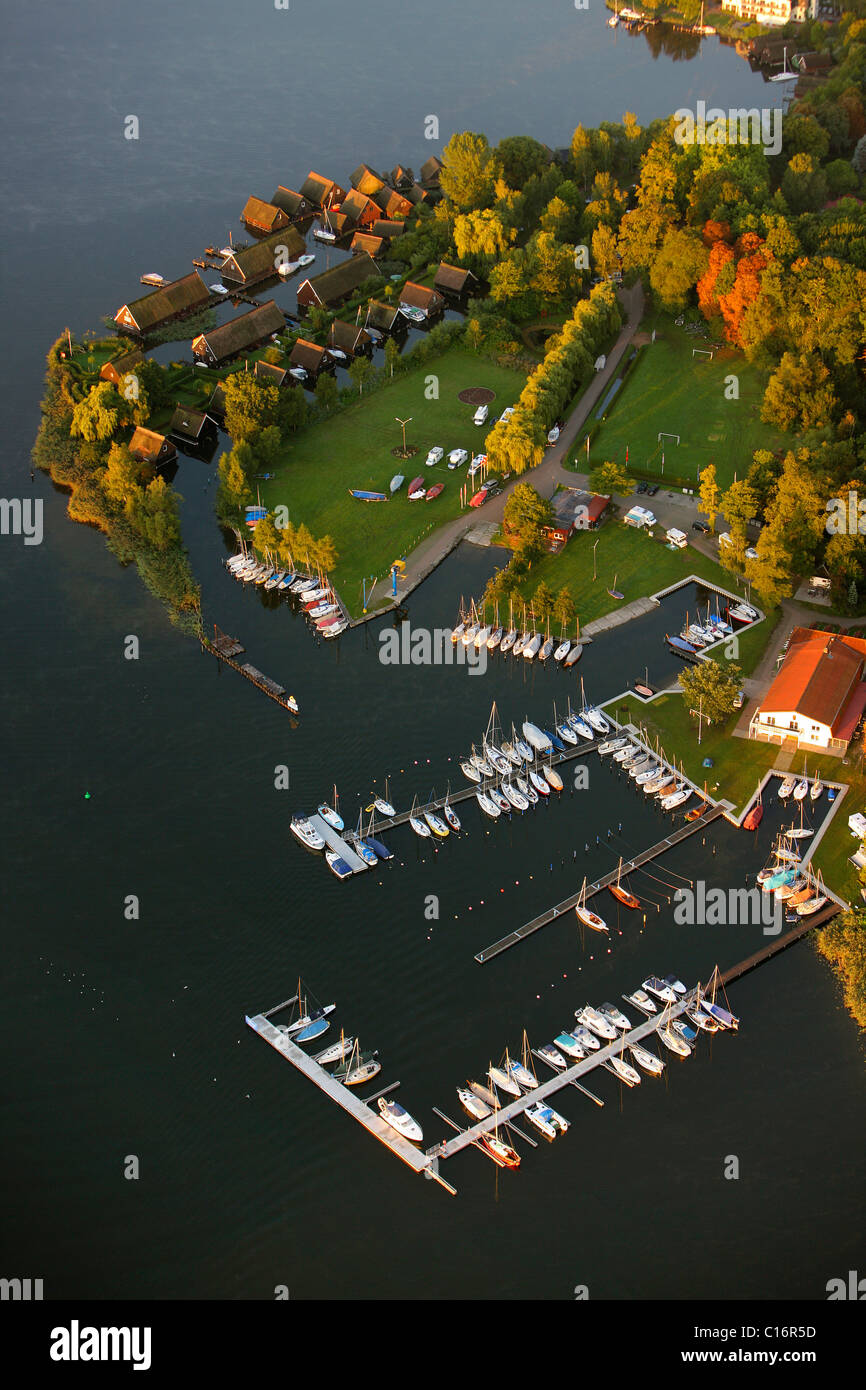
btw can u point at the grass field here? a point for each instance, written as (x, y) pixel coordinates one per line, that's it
(641, 566)
(670, 390)
(353, 450)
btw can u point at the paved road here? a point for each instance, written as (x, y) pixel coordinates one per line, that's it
(549, 473)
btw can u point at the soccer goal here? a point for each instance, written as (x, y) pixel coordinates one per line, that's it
(664, 435)
(703, 352)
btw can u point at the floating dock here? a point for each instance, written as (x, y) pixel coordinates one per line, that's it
(336, 842)
(552, 913)
(226, 649)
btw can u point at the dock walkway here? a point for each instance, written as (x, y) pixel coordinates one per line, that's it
(563, 1078)
(567, 904)
(335, 841)
(336, 1091)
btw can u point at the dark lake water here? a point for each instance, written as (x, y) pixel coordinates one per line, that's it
(128, 1037)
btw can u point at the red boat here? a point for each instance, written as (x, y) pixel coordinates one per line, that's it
(753, 819)
(502, 1154)
(622, 894)
(435, 491)
(417, 486)
(697, 811)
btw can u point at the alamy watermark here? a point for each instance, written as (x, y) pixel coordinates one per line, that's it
(22, 518)
(737, 126)
(421, 646)
(846, 515)
(732, 907)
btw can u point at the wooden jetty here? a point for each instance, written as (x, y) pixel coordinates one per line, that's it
(415, 1158)
(226, 648)
(552, 913)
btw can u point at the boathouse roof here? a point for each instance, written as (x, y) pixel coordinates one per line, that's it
(393, 204)
(268, 371)
(356, 206)
(318, 190)
(308, 355)
(117, 369)
(241, 333)
(265, 216)
(431, 169)
(349, 337)
(260, 261)
(179, 297)
(188, 424)
(388, 228)
(421, 297)
(363, 241)
(453, 279)
(149, 447)
(383, 316)
(366, 180)
(291, 202)
(339, 282)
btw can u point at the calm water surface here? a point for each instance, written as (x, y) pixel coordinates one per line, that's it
(128, 1037)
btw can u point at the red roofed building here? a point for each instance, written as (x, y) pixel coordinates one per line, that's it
(818, 695)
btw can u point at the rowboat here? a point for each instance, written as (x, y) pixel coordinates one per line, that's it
(435, 491)
(417, 489)
(397, 482)
(362, 496)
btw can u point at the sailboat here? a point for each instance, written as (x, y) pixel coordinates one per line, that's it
(511, 635)
(802, 786)
(326, 233)
(383, 804)
(786, 788)
(549, 644)
(532, 647)
(701, 27)
(586, 915)
(331, 814)
(814, 903)
(613, 591)
(816, 788)
(622, 894)
(496, 635)
(785, 75)
(420, 827)
(360, 1068)
(577, 649)
(503, 1078)
(614, 19)
(449, 813)
(564, 646)
(337, 1052)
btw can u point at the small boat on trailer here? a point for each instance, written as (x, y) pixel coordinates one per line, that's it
(362, 496)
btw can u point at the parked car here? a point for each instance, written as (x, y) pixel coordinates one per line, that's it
(641, 487)
(491, 482)
(751, 553)
(494, 489)
(652, 490)
(456, 457)
(481, 414)
(725, 538)
(507, 414)
(739, 698)
(435, 455)
(702, 527)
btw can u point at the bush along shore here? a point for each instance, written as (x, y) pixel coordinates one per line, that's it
(129, 501)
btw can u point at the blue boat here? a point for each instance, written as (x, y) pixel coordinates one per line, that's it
(256, 513)
(555, 740)
(377, 847)
(367, 496)
(680, 645)
(289, 579)
(318, 1023)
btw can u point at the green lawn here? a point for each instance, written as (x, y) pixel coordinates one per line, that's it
(739, 763)
(353, 450)
(669, 390)
(641, 566)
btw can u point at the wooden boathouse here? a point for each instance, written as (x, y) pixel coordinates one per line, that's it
(453, 280)
(350, 338)
(263, 218)
(310, 356)
(366, 180)
(293, 204)
(242, 334)
(260, 261)
(430, 302)
(339, 283)
(173, 301)
(121, 367)
(146, 446)
(321, 192)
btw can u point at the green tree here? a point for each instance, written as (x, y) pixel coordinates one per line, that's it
(769, 574)
(526, 513)
(468, 174)
(100, 414)
(711, 689)
(611, 479)
(709, 494)
(675, 271)
(519, 157)
(234, 490)
(481, 234)
(563, 608)
(359, 371)
(474, 333)
(121, 480)
(542, 601)
(392, 355)
(326, 387)
(738, 505)
(799, 392)
(804, 185)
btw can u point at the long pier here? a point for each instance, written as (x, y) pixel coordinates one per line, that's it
(552, 913)
(464, 793)
(580, 1069)
(225, 649)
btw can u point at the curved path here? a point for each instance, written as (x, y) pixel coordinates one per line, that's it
(545, 478)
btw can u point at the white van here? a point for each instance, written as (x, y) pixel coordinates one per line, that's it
(480, 416)
(677, 538)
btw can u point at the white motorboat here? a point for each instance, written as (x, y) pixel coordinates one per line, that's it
(660, 988)
(488, 807)
(306, 833)
(649, 774)
(569, 1045)
(615, 1016)
(676, 984)
(306, 260)
(472, 1104)
(552, 1117)
(399, 1119)
(552, 1056)
(677, 798)
(595, 1022)
(647, 1061)
(587, 1040)
(535, 1114)
(337, 864)
(597, 720)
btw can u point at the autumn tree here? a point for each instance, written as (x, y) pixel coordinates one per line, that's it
(468, 174)
(610, 479)
(709, 494)
(100, 414)
(799, 393)
(526, 514)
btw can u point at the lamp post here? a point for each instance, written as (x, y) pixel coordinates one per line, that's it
(593, 558)
(404, 423)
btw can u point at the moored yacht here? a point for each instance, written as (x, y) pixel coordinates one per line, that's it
(595, 1022)
(472, 1104)
(399, 1119)
(306, 833)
